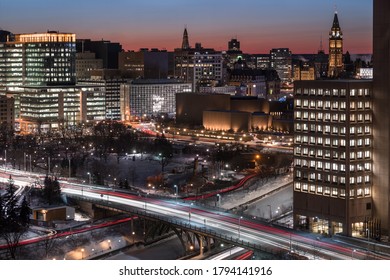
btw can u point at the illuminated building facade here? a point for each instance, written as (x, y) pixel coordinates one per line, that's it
(86, 62)
(48, 108)
(333, 163)
(146, 98)
(281, 61)
(111, 80)
(199, 66)
(336, 65)
(38, 59)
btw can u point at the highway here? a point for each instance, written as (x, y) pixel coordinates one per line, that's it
(225, 226)
(220, 224)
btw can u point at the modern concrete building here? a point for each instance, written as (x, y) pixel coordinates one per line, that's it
(333, 162)
(381, 105)
(146, 64)
(234, 121)
(38, 59)
(46, 108)
(7, 115)
(281, 61)
(105, 50)
(199, 66)
(86, 62)
(110, 80)
(146, 98)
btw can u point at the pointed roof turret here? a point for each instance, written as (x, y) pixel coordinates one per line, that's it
(336, 24)
(185, 44)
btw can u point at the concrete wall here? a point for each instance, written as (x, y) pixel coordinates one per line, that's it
(381, 121)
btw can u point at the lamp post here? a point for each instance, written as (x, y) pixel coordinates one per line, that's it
(219, 199)
(353, 251)
(239, 225)
(176, 191)
(89, 177)
(189, 213)
(270, 212)
(109, 244)
(368, 241)
(82, 253)
(69, 167)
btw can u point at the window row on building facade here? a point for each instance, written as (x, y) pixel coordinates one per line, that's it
(356, 141)
(331, 154)
(323, 190)
(333, 92)
(332, 104)
(332, 166)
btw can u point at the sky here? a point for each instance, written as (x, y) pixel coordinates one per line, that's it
(259, 25)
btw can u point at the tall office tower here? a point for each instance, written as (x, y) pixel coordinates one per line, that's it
(381, 57)
(234, 45)
(38, 59)
(106, 50)
(186, 43)
(199, 66)
(336, 65)
(111, 80)
(145, 63)
(281, 61)
(333, 164)
(39, 72)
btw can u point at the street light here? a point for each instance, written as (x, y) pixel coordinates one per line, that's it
(109, 244)
(353, 251)
(89, 177)
(189, 213)
(69, 166)
(270, 212)
(219, 199)
(82, 253)
(239, 225)
(176, 190)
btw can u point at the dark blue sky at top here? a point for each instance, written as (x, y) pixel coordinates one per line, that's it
(258, 24)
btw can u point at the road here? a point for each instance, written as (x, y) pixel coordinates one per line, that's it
(219, 224)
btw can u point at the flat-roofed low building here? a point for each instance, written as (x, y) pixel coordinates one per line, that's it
(190, 106)
(149, 97)
(235, 121)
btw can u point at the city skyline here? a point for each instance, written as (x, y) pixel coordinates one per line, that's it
(258, 25)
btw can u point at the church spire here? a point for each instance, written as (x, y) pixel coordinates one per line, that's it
(336, 24)
(336, 65)
(186, 44)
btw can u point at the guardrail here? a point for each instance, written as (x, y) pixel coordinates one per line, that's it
(178, 222)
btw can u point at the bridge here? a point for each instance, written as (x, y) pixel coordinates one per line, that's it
(199, 226)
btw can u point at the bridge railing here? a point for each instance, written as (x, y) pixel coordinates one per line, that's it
(199, 228)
